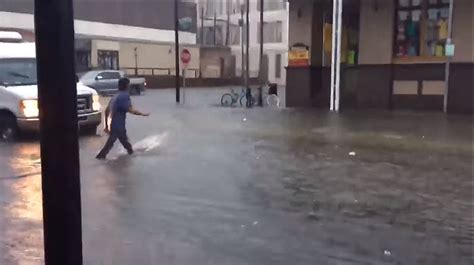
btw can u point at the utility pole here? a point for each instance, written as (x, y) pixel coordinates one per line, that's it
(247, 64)
(242, 24)
(57, 94)
(227, 32)
(247, 42)
(261, 39)
(214, 29)
(202, 26)
(136, 60)
(176, 49)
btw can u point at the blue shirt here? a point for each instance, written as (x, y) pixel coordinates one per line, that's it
(119, 106)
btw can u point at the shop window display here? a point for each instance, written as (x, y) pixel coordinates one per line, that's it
(349, 37)
(421, 28)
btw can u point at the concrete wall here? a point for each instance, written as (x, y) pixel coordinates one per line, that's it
(306, 23)
(149, 55)
(376, 32)
(154, 56)
(300, 20)
(211, 62)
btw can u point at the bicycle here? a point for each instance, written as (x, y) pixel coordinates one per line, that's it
(229, 99)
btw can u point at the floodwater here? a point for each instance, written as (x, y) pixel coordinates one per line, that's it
(233, 186)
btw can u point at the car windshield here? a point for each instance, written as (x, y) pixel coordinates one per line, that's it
(89, 75)
(17, 72)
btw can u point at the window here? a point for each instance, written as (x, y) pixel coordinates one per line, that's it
(269, 5)
(210, 8)
(15, 72)
(213, 38)
(421, 28)
(108, 76)
(244, 33)
(83, 60)
(220, 7)
(108, 59)
(214, 7)
(236, 7)
(272, 32)
(278, 66)
(234, 35)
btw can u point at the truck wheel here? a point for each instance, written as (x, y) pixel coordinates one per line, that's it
(136, 90)
(8, 127)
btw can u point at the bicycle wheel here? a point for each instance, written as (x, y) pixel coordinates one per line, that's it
(273, 101)
(243, 101)
(226, 100)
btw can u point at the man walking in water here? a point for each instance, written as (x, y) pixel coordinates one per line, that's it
(117, 109)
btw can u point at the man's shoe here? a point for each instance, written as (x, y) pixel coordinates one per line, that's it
(100, 157)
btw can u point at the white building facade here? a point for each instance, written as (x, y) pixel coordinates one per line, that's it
(226, 16)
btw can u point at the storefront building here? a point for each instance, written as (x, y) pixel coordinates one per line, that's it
(393, 54)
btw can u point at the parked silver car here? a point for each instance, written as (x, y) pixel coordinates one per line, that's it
(105, 82)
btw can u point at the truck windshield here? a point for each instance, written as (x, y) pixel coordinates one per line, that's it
(18, 71)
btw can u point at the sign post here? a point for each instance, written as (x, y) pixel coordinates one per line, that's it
(176, 49)
(185, 60)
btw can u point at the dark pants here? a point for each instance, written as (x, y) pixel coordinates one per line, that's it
(122, 137)
(248, 95)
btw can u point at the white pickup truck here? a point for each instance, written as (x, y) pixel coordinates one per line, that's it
(19, 93)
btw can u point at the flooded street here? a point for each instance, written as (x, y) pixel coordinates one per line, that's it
(234, 186)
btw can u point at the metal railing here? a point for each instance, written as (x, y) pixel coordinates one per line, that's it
(158, 71)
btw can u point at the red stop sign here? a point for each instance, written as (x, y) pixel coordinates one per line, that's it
(185, 56)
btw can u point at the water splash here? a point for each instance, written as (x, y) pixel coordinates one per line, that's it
(147, 144)
(150, 142)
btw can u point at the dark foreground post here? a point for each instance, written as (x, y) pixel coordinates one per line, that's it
(54, 29)
(176, 50)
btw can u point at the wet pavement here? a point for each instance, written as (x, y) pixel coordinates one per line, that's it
(233, 186)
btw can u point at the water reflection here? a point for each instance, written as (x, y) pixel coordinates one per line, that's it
(27, 191)
(24, 210)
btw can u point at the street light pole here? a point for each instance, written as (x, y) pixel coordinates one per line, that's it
(214, 28)
(136, 60)
(176, 50)
(247, 62)
(202, 26)
(227, 30)
(261, 39)
(247, 42)
(242, 24)
(57, 94)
